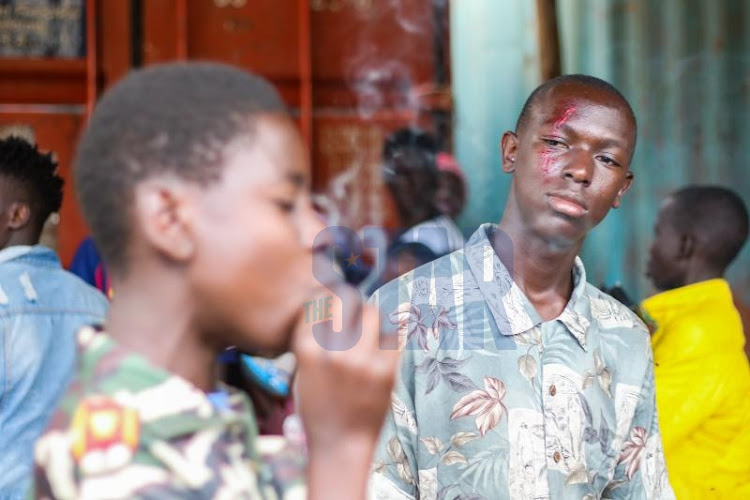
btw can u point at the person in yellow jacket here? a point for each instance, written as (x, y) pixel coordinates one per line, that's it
(701, 370)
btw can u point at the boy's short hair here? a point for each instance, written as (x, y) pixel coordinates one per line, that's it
(717, 215)
(583, 80)
(36, 175)
(166, 119)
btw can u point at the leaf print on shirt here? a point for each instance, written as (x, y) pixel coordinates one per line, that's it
(443, 495)
(421, 289)
(610, 313)
(532, 337)
(632, 451)
(488, 467)
(486, 405)
(601, 372)
(461, 438)
(447, 371)
(402, 416)
(442, 321)
(653, 469)
(527, 364)
(577, 475)
(428, 483)
(433, 445)
(444, 455)
(603, 436)
(527, 367)
(396, 453)
(378, 466)
(454, 457)
(410, 323)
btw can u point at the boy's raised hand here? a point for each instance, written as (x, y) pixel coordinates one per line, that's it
(344, 383)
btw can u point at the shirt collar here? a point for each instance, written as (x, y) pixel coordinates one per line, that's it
(38, 252)
(511, 310)
(13, 252)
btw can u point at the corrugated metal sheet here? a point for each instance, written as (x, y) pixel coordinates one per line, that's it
(495, 64)
(685, 67)
(683, 64)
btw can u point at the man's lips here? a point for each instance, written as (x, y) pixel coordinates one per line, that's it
(567, 204)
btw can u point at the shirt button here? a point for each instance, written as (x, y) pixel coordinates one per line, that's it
(552, 390)
(556, 457)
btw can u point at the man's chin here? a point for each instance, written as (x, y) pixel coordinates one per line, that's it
(563, 232)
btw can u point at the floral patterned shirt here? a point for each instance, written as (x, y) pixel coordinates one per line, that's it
(492, 402)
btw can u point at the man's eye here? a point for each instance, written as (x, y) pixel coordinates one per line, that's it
(608, 161)
(552, 142)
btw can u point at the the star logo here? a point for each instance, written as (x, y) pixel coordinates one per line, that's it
(352, 260)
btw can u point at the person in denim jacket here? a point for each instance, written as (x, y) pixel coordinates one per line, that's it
(41, 307)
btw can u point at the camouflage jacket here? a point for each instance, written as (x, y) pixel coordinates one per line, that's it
(126, 429)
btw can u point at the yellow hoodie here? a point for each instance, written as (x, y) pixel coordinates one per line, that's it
(702, 390)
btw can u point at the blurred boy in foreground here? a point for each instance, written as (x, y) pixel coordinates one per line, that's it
(195, 183)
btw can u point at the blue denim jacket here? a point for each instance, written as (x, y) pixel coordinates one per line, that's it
(41, 307)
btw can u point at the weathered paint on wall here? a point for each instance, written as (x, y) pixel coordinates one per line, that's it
(685, 67)
(495, 64)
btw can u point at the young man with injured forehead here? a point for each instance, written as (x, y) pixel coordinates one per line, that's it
(518, 378)
(196, 185)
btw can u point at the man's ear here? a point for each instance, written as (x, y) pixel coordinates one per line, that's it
(508, 151)
(19, 215)
(162, 209)
(624, 189)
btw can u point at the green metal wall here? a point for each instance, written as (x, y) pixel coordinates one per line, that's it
(494, 67)
(685, 67)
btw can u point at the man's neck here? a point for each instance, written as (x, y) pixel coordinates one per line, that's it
(541, 269)
(147, 316)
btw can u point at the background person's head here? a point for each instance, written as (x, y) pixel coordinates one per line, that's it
(450, 197)
(30, 190)
(193, 178)
(410, 172)
(699, 231)
(570, 158)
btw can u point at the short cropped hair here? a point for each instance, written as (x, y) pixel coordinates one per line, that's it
(717, 216)
(36, 176)
(166, 119)
(583, 80)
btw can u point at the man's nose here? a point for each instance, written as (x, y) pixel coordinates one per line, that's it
(579, 168)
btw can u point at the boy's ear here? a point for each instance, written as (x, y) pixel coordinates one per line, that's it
(687, 246)
(162, 208)
(624, 189)
(508, 151)
(19, 215)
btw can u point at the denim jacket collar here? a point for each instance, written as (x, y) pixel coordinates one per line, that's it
(39, 253)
